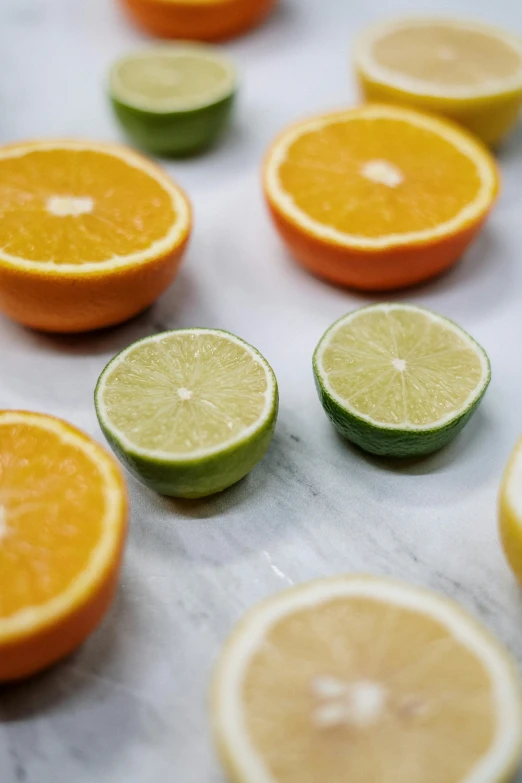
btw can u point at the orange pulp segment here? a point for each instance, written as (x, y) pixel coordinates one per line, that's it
(350, 188)
(90, 233)
(63, 512)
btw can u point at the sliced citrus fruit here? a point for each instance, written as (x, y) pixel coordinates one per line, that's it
(189, 412)
(174, 100)
(63, 518)
(399, 380)
(198, 20)
(378, 197)
(362, 679)
(90, 234)
(467, 71)
(510, 511)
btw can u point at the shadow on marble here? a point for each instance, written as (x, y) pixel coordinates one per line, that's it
(114, 338)
(474, 436)
(245, 491)
(209, 507)
(66, 680)
(480, 279)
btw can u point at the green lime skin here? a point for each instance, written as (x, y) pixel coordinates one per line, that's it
(385, 441)
(199, 477)
(175, 134)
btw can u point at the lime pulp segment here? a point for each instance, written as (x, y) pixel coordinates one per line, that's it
(190, 412)
(185, 393)
(399, 368)
(173, 78)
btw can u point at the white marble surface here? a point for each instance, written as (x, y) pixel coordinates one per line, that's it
(130, 706)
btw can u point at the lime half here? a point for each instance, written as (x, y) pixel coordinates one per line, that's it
(173, 99)
(399, 380)
(189, 412)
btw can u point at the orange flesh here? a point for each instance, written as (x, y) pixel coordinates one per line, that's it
(130, 210)
(52, 505)
(434, 689)
(323, 174)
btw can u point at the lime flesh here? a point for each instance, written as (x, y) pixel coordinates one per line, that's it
(174, 100)
(189, 412)
(399, 380)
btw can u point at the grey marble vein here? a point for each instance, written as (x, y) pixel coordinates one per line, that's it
(130, 706)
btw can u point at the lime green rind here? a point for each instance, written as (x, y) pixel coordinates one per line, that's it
(391, 442)
(201, 476)
(178, 133)
(380, 440)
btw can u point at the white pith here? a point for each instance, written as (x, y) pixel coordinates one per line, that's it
(203, 52)
(128, 445)
(384, 172)
(31, 619)
(465, 144)
(366, 64)
(160, 247)
(404, 425)
(232, 668)
(64, 206)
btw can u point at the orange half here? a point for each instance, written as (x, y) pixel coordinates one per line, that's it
(90, 234)
(198, 20)
(63, 519)
(378, 197)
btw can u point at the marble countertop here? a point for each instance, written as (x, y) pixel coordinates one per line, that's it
(131, 704)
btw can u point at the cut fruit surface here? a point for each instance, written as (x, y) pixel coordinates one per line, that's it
(63, 514)
(175, 99)
(510, 511)
(378, 196)
(190, 412)
(397, 379)
(470, 72)
(359, 679)
(173, 78)
(90, 233)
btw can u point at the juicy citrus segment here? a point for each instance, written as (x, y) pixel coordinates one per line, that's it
(189, 412)
(36, 470)
(377, 176)
(170, 78)
(446, 57)
(401, 366)
(185, 392)
(320, 163)
(363, 679)
(75, 207)
(63, 513)
(510, 511)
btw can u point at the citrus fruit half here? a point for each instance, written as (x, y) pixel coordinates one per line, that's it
(198, 20)
(399, 380)
(378, 197)
(90, 234)
(174, 100)
(365, 679)
(63, 518)
(510, 511)
(469, 72)
(189, 412)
